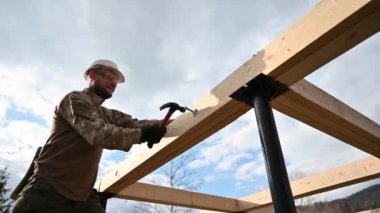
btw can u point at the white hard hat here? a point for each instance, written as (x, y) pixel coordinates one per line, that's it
(112, 66)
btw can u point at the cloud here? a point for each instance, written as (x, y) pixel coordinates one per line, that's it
(304, 146)
(30, 89)
(250, 170)
(231, 161)
(119, 205)
(231, 144)
(19, 142)
(4, 105)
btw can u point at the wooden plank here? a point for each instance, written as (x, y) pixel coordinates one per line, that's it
(371, 211)
(165, 195)
(172, 145)
(356, 172)
(261, 210)
(270, 209)
(217, 109)
(311, 105)
(310, 49)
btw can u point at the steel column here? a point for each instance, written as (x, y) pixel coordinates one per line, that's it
(103, 198)
(274, 160)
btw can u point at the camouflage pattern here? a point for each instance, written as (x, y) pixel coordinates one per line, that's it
(81, 129)
(99, 126)
(39, 196)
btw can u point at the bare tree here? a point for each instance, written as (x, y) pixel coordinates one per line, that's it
(5, 203)
(178, 176)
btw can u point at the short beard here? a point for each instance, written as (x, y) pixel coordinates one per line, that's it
(100, 91)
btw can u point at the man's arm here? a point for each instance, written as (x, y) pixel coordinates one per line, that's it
(78, 110)
(124, 120)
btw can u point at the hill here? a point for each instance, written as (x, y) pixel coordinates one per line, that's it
(365, 199)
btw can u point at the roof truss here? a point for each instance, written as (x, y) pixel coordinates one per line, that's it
(327, 31)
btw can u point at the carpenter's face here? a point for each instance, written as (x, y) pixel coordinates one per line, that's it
(105, 83)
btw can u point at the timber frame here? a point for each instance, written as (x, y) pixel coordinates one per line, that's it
(327, 31)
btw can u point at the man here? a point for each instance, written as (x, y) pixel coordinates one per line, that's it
(66, 169)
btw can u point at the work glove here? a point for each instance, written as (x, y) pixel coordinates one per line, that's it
(152, 134)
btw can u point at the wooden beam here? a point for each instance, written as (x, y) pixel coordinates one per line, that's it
(356, 172)
(345, 24)
(311, 105)
(371, 211)
(340, 26)
(165, 195)
(183, 133)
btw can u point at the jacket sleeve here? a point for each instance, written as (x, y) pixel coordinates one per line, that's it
(124, 120)
(80, 112)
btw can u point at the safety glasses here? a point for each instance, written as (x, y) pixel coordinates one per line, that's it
(106, 73)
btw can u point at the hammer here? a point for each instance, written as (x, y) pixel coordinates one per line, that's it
(172, 108)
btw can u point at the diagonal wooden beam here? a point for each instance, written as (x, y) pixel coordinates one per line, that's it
(313, 106)
(336, 27)
(166, 195)
(356, 172)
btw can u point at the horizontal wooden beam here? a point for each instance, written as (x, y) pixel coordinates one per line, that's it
(332, 27)
(170, 196)
(356, 172)
(371, 211)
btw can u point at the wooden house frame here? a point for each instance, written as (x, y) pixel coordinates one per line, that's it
(331, 28)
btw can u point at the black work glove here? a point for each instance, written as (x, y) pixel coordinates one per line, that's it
(152, 134)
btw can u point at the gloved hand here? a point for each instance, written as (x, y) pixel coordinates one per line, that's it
(152, 134)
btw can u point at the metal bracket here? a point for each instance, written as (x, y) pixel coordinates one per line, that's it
(260, 84)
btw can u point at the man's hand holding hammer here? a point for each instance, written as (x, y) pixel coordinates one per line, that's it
(153, 134)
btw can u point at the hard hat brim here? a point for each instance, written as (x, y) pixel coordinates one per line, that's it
(120, 76)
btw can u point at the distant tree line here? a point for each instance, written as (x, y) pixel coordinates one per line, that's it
(365, 199)
(5, 202)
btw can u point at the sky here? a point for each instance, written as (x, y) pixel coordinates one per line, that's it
(170, 51)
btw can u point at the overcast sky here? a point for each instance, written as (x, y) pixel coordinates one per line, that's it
(169, 51)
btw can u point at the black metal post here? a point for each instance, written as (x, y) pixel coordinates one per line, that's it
(275, 165)
(103, 202)
(103, 198)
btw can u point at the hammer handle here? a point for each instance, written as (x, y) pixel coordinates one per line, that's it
(166, 119)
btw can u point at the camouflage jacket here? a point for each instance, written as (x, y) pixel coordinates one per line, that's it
(81, 129)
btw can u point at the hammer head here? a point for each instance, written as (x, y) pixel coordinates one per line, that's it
(173, 107)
